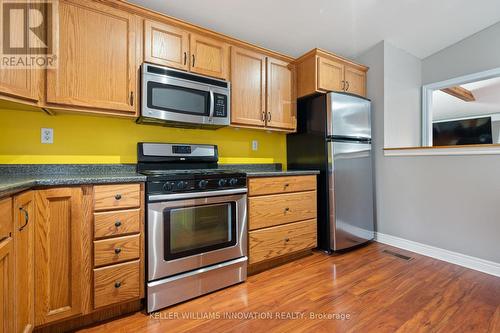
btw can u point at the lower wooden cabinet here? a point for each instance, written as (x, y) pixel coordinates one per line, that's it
(7, 285)
(118, 264)
(116, 283)
(269, 243)
(24, 226)
(61, 259)
(58, 254)
(282, 213)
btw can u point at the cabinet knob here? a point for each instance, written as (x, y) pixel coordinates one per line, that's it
(118, 284)
(287, 240)
(118, 196)
(287, 209)
(286, 185)
(118, 250)
(118, 224)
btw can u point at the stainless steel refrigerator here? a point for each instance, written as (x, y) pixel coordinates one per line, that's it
(334, 136)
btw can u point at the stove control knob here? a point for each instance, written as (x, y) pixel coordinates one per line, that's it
(222, 182)
(203, 183)
(233, 181)
(168, 186)
(181, 185)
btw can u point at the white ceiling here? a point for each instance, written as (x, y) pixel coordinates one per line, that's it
(486, 93)
(347, 27)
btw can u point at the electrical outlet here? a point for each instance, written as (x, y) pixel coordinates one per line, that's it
(255, 145)
(48, 135)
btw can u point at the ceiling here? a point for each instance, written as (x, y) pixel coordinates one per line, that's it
(347, 27)
(486, 93)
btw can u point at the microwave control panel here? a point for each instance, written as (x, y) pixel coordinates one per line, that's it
(220, 105)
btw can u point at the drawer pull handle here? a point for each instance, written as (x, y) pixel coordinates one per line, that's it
(118, 284)
(118, 250)
(287, 240)
(118, 196)
(118, 224)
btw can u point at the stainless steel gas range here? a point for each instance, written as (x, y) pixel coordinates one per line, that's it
(196, 222)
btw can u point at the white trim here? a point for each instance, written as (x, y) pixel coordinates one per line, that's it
(485, 266)
(428, 89)
(458, 151)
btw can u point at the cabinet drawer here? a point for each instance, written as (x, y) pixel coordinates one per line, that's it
(6, 218)
(115, 250)
(274, 185)
(117, 283)
(271, 210)
(108, 197)
(116, 223)
(277, 241)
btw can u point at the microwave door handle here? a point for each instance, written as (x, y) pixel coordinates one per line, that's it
(212, 104)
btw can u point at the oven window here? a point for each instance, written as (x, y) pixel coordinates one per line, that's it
(198, 229)
(178, 99)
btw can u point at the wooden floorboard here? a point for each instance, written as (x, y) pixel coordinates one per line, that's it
(380, 293)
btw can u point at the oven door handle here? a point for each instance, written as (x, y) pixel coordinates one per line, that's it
(192, 195)
(212, 104)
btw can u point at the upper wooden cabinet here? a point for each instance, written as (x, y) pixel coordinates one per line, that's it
(59, 269)
(262, 91)
(20, 84)
(166, 45)
(321, 71)
(24, 226)
(171, 46)
(355, 81)
(209, 56)
(97, 58)
(330, 75)
(248, 87)
(280, 95)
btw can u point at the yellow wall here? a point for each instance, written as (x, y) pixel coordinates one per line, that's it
(93, 139)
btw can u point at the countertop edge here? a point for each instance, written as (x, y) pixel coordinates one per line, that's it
(282, 173)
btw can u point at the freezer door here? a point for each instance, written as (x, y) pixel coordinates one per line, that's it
(348, 116)
(350, 194)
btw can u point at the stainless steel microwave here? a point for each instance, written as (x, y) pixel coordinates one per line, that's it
(177, 98)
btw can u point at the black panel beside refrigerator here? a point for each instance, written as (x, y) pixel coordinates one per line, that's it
(334, 136)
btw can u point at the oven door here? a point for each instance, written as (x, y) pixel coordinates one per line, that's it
(187, 231)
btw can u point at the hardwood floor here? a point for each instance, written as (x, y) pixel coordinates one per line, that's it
(378, 291)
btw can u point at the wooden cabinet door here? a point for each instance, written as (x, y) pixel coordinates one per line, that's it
(281, 105)
(59, 269)
(330, 75)
(355, 81)
(209, 56)
(248, 87)
(23, 83)
(7, 296)
(166, 45)
(24, 224)
(6, 224)
(20, 83)
(97, 58)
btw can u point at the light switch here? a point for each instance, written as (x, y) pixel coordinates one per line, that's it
(255, 145)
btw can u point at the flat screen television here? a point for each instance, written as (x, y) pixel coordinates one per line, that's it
(462, 132)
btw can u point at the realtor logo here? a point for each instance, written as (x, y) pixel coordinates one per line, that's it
(28, 34)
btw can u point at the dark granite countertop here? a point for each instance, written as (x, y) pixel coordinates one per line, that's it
(282, 173)
(17, 178)
(267, 170)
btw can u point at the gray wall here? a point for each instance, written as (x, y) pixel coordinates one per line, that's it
(451, 202)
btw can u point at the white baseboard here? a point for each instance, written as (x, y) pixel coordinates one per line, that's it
(485, 266)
